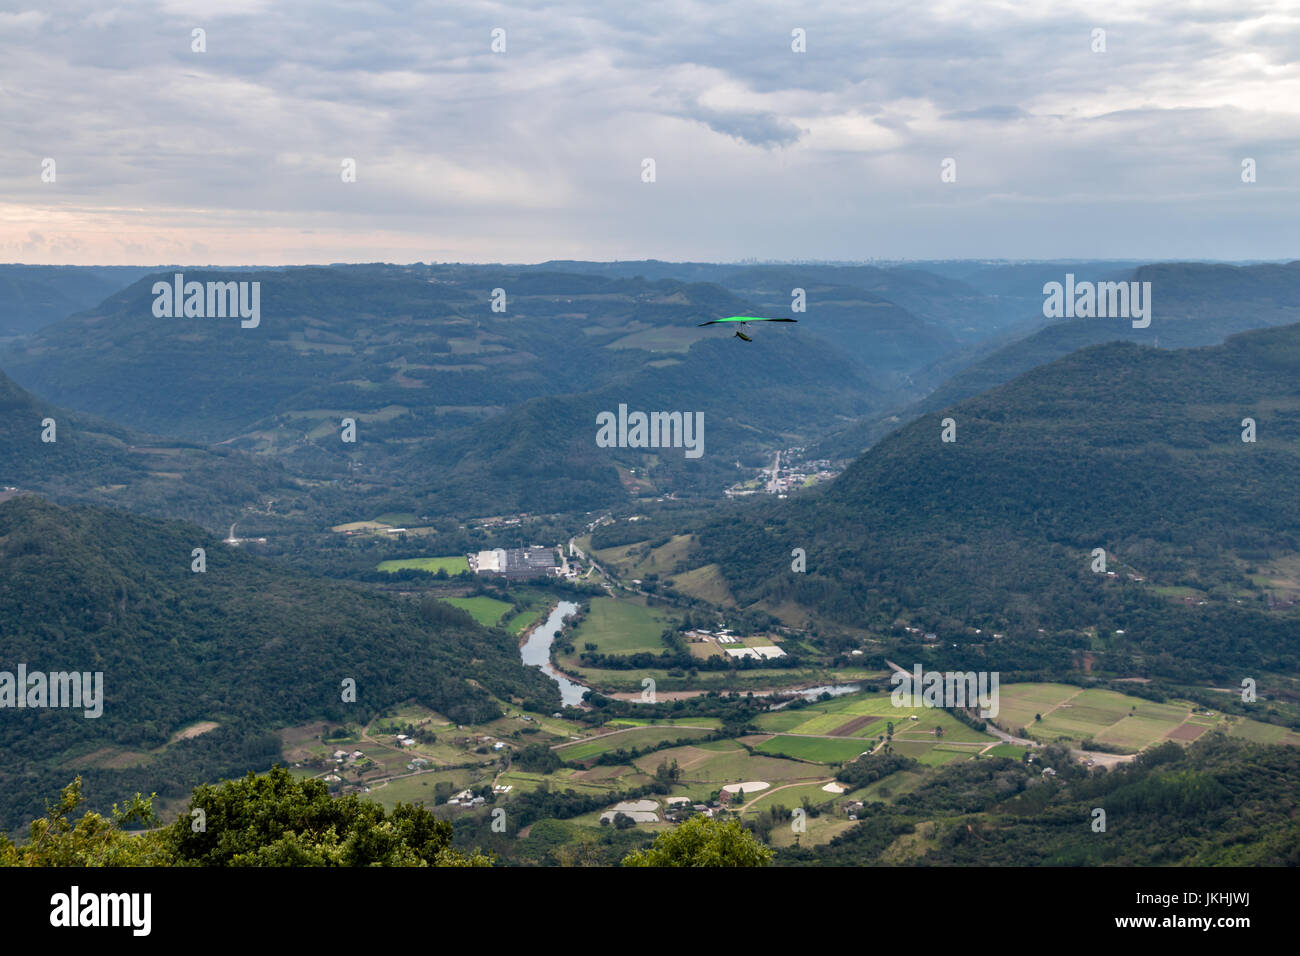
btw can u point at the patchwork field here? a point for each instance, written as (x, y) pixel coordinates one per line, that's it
(1126, 723)
(856, 722)
(707, 767)
(817, 749)
(635, 737)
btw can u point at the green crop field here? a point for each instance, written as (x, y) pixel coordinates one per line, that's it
(485, 610)
(821, 723)
(1008, 750)
(789, 798)
(781, 720)
(713, 723)
(520, 622)
(1018, 703)
(817, 749)
(418, 788)
(621, 626)
(452, 564)
(1260, 733)
(634, 737)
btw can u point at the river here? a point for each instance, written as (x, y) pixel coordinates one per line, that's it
(536, 652)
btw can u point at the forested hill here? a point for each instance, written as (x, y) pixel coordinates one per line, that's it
(32, 297)
(244, 643)
(1135, 450)
(90, 460)
(1193, 304)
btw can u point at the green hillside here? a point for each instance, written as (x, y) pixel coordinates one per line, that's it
(244, 644)
(100, 462)
(1134, 450)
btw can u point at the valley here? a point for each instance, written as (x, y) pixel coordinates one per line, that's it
(605, 640)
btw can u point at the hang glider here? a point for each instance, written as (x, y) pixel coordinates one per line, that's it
(743, 319)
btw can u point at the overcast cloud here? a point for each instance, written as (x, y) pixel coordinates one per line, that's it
(233, 155)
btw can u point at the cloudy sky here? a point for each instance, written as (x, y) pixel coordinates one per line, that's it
(234, 155)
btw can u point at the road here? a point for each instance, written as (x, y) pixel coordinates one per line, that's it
(772, 485)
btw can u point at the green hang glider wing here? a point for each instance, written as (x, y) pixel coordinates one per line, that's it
(742, 319)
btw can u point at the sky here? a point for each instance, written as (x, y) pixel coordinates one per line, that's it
(121, 143)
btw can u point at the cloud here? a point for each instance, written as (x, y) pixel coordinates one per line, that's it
(758, 129)
(535, 153)
(987, 113)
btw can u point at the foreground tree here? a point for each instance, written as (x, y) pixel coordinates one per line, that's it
(277, 820)
(701, 841)
(93, 840)
(268, 820)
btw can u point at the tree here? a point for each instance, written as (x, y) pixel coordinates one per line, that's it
(91, 841)
(276, 820)
(701, 841)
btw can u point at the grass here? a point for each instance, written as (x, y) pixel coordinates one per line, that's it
(487, 611)
(638, 737)
(1257, 732)
(620, 626)
(706, 584)
(707, 767)
(818, 830)
(1127, 723)
(418, 788)
(713, 723)
(452, 564)
(636, 560)
(523, 620)
(816, 749)
(1008, 750)
(790, 798)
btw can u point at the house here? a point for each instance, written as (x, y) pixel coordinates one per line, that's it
(340, 754)
(1049, 772)
(405, 741)
(498, 745)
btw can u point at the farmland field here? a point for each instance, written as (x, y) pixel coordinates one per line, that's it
(817, 749)
(633, 737)
(452, 564)
(620, 626)
(487, 611)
